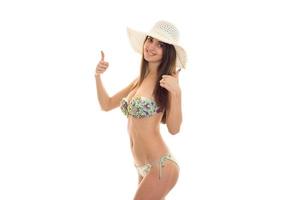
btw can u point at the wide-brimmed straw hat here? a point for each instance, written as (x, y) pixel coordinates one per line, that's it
(165, 32)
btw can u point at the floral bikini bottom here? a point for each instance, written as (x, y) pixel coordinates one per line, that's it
(143, 170)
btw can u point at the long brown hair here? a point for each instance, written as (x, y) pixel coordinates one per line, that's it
(166, 67)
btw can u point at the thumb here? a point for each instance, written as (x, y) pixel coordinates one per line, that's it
(102, 56)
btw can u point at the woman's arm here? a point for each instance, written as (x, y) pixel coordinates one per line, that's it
(173, 111)
(106, 102)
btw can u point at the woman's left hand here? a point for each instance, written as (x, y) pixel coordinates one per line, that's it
(170, 82)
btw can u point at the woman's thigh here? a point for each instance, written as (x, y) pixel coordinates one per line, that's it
(153, 188)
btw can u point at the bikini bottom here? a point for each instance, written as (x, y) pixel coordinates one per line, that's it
(143, 170)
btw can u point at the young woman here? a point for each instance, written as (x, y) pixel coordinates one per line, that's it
(153, 98)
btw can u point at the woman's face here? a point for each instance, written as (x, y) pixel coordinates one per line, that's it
(153, 50)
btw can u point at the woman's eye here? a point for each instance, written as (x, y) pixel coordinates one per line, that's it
(161, 44)
(149, 38)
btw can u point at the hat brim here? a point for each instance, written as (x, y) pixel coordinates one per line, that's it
(137, 38)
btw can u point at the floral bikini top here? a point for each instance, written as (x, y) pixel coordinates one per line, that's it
(139, 107)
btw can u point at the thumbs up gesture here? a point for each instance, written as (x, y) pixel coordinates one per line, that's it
(170, 82)
(102, 65)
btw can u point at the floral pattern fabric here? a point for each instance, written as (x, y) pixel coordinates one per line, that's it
(139, 107)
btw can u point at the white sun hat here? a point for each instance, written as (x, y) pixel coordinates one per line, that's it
(165, 32)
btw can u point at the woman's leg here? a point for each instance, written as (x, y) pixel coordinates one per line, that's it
(140, 178)
(153, 188)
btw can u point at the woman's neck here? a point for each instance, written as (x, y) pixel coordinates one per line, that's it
(152, 69)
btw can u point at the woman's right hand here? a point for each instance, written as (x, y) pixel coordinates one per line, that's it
(102, 65)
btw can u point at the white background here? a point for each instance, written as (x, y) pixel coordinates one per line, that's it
(240, 135)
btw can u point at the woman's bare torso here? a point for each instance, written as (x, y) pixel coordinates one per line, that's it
(147, 144)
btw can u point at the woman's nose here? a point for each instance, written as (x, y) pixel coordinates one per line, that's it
(152, 46)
